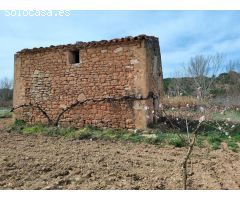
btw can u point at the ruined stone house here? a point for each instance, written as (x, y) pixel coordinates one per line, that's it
(115, 83)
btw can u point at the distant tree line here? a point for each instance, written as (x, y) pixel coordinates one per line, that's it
(203, 78)
(6, 92)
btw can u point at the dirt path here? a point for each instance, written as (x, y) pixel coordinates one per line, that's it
(41, 162)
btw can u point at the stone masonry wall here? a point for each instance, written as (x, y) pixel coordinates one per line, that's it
(46, 76)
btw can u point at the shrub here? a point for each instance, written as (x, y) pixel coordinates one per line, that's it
(19, 122)
(18, 125)
(215, 145)
(136, 138)
(215, 139)
(175, 140)
(108, 134)
(232, 145)
(236, 137)
(83, 135)
(51, 131)
(200, 141)
(64, 131)
(158, 139)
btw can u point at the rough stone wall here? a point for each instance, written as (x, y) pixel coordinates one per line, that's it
(155, 76)
(47, 77)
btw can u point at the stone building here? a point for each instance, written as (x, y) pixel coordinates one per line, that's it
(115, 83)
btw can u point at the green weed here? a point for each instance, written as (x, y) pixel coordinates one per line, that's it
(35, 129)
(175, 140)
(215, 139)
(232, 145)
(156, 137)
(200, 141)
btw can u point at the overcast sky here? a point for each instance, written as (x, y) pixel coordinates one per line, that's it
(181, 34)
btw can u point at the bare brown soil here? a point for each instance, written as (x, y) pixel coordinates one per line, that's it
(43, 162)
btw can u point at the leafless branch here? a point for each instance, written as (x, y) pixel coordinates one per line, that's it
(78, 102)
(34, 106)
(187, 157)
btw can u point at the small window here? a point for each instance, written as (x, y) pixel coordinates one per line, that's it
(74, 57)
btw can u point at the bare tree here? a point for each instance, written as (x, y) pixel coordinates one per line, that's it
(233, 65)
(175, 86)
(6, 83)
(180, 85)
(204, 69)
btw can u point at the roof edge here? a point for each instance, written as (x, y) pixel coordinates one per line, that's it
(128, 39)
